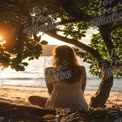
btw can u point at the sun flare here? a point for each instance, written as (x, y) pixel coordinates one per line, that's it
(1, 38)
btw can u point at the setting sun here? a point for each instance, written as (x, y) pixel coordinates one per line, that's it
(1, 38)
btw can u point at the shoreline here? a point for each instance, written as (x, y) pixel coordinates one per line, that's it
(19, 95)
(44, 87)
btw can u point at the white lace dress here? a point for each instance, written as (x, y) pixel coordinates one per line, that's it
(65, 95)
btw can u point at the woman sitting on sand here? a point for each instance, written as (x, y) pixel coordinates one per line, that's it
(65, 80)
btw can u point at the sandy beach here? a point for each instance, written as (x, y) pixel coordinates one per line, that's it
(19, 95)
(14, 106)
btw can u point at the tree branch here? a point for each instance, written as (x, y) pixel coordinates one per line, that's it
(73, 10)
(90, 50)
(106, 37)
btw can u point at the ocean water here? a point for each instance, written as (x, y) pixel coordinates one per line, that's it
(33, 76)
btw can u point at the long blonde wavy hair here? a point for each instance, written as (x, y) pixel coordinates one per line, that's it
(66, 54)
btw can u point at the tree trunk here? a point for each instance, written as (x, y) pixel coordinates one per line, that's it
(102, 94)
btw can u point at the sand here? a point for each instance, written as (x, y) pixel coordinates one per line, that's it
(19, 95)
(14, 106)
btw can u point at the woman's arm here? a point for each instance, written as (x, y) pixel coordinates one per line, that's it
(83, 78)
(47, 74)
(50, 88)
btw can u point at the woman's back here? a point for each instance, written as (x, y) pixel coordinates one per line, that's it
(66, 94)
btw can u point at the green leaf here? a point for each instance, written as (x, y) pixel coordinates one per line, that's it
(31, 58)
(25, 63)
(43, 42)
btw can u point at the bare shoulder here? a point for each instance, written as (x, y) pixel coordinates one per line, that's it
(82, 68)
(49, 70)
